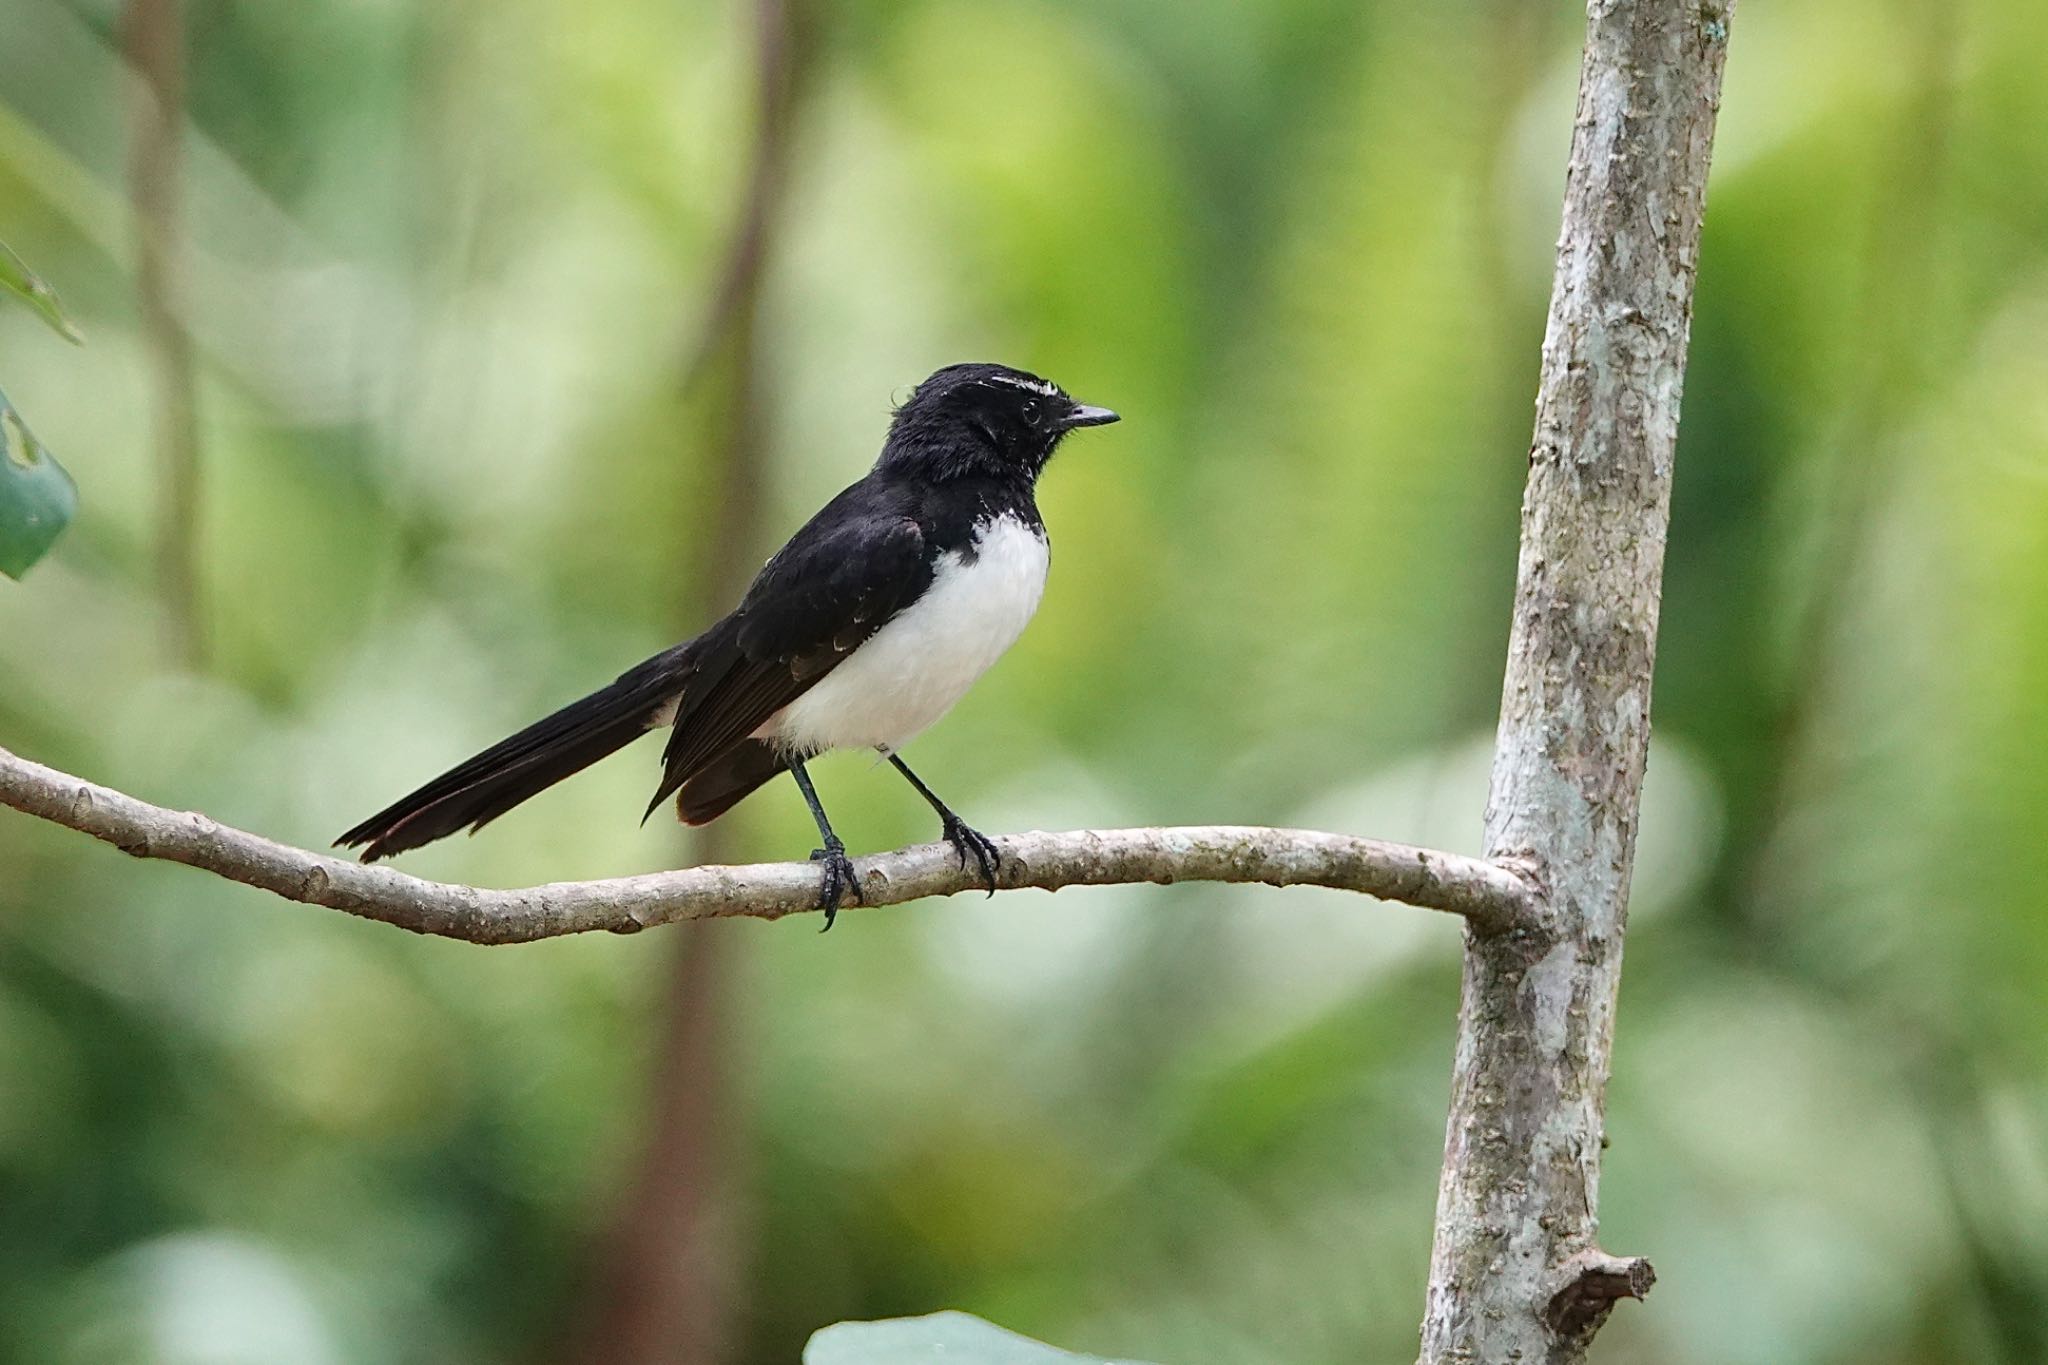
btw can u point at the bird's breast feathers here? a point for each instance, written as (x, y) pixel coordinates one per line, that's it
(911, 671)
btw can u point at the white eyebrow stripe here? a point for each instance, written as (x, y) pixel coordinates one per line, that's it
(1033, 385)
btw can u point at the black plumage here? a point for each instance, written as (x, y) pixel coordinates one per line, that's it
(962, 456)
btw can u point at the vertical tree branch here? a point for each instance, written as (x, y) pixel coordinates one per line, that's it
(153, 36)
(728, 323)
(1516, 1273)
(670, 1297)
(668, 1269)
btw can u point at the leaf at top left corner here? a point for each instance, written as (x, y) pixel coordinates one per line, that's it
(17, 279)
(37, 498)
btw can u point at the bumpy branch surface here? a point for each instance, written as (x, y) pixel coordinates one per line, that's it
(1480, 891)
(1516, 1274)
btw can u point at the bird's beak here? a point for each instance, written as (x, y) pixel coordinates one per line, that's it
(1085, 416)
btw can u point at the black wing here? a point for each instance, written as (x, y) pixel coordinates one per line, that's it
(861, 560)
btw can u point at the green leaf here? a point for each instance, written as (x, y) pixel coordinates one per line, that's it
(17, 279)
(950, 1337)
(37, 498)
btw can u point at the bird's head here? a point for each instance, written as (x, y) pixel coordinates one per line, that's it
(984, 419)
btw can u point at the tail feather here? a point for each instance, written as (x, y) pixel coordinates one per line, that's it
(477, 791)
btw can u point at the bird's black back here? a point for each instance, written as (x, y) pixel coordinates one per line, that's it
(966, 450)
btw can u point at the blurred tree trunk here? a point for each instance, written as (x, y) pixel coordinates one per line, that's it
(1517, 1273)
(670, 1290)
(153, 39)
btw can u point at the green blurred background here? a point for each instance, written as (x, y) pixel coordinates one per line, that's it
(447, 264)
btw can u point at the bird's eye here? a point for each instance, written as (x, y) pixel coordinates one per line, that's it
(1031, 412)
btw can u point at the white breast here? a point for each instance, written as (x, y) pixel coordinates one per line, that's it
(911, 671)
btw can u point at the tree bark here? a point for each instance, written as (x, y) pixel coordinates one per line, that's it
(1516, 1273)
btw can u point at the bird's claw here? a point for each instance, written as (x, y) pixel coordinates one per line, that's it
(839, 878)
(969, 842)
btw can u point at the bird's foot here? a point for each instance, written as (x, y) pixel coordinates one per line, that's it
(838, 879)
(972, 843)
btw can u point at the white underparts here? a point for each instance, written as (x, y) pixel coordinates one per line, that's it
(911, 671)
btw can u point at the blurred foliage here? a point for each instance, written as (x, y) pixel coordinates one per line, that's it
(37, 498)
(445, 261)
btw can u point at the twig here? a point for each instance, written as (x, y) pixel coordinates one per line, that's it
(1486, 894)
(1594, 1282)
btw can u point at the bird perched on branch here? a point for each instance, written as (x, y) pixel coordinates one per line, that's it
(859, 633)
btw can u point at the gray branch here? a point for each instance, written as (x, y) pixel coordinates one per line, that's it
(1516, 1272)
(1484, 893)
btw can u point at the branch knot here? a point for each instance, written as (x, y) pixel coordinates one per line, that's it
(1593, 1283)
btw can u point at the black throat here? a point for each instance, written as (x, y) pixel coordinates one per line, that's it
(952, 511)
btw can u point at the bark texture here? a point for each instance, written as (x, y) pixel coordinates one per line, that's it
(1481, 891)
(1516, 1273)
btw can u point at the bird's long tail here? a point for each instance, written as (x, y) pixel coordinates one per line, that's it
(480, 790)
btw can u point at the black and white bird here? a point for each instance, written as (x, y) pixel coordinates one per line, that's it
(861, 632)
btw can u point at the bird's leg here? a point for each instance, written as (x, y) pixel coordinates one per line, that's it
(840, 877)
(966, 840)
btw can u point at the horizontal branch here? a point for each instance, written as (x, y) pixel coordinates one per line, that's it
(1486, 893)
